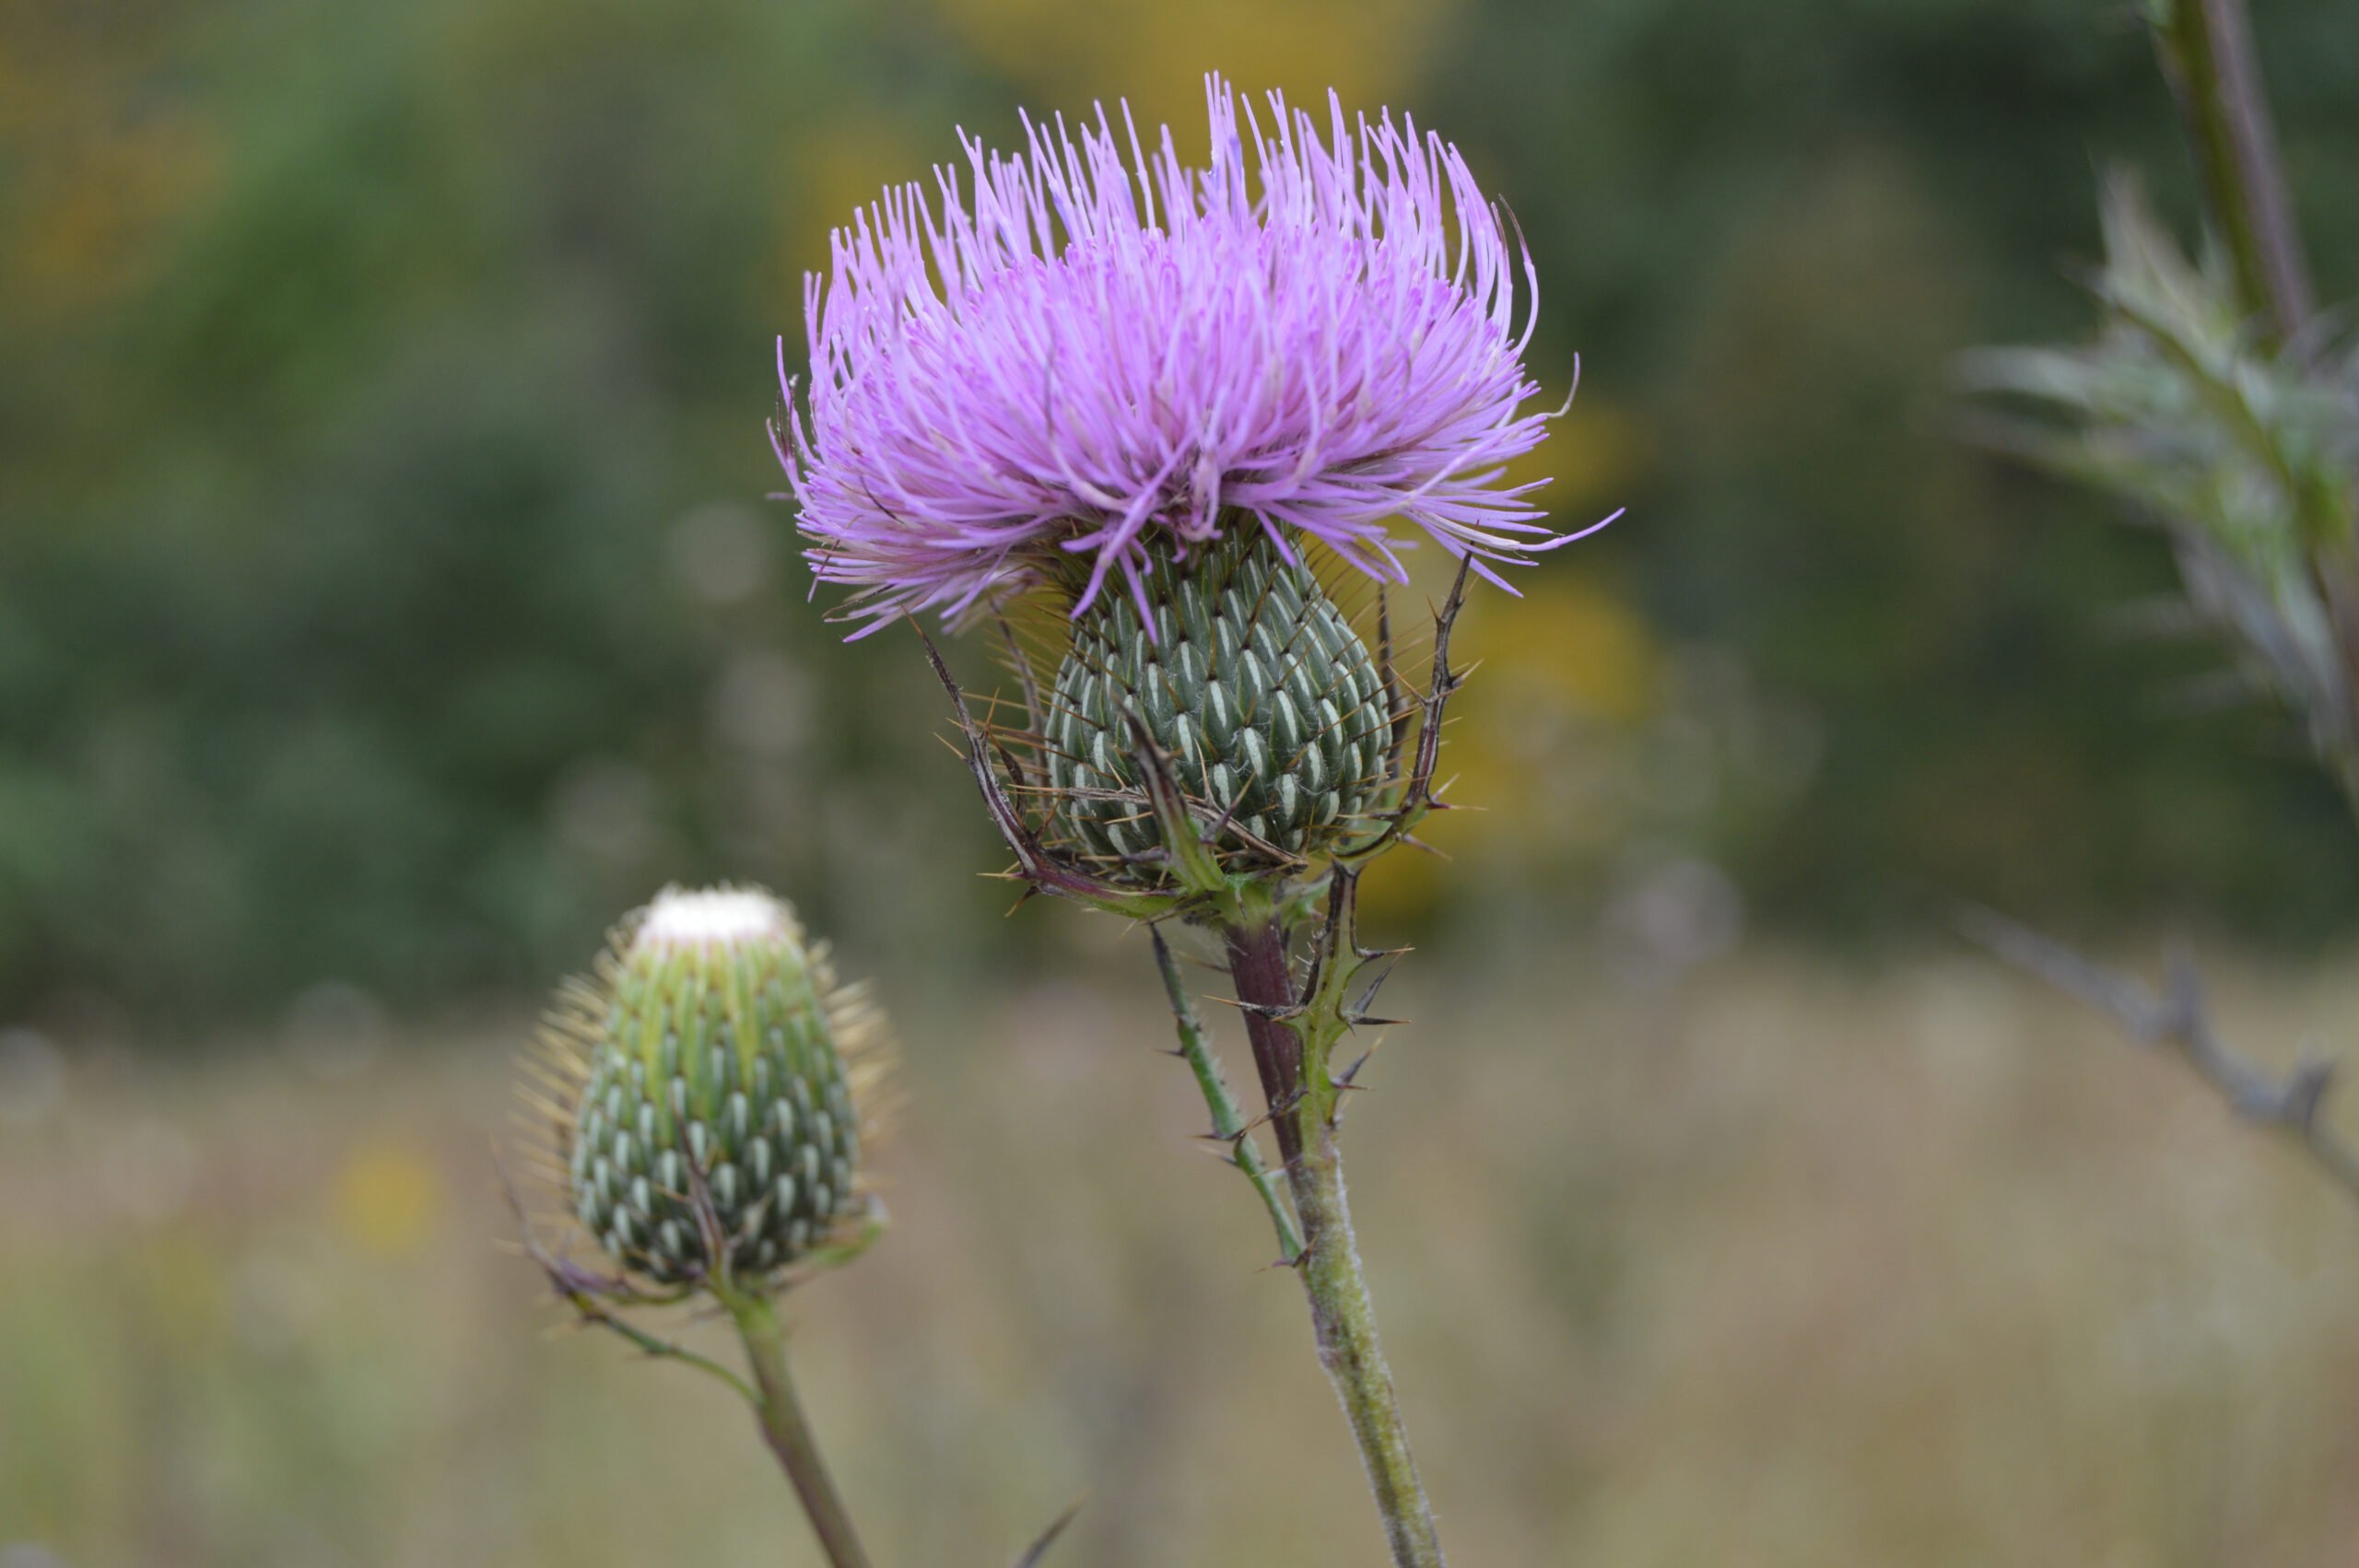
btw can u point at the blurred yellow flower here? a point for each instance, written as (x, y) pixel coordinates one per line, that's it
(1569, 645)
(1075, 53)
(387, 1198)
(1067, 55)
(1565, 667)
(1593, 456)
(837, 166)
(103, 163)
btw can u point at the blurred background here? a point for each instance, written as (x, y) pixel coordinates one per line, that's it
(389, 596)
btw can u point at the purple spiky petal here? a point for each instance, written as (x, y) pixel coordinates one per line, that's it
(1074, 355)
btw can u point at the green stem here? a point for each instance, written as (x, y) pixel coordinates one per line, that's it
(1349, 1349)
(788, 1431)
(1228, 1122)
(597, 1315)
(1302, 1105)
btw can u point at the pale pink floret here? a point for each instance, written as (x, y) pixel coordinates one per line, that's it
(1088, 353)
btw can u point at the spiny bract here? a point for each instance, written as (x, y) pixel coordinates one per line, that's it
(714, 1073)
(1273, 714)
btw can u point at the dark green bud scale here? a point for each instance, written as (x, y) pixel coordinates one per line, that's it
(1254, 682)
(716, 1066)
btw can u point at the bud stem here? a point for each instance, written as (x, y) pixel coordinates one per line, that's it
(788, 1431)
(1302, 1097)
(1228, 1123)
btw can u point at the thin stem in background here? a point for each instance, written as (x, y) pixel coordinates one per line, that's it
(1228, 1122)
(2178, 1016)
(788, 1431)
(1302, 1098)
(2207, 53)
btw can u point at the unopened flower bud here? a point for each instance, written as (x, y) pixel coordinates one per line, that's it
(716, 1112)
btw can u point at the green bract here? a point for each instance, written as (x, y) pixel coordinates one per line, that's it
(716, 1097)
(1273, 714)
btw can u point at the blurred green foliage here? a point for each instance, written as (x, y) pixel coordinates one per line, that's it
(387, 595)
(1773, 229)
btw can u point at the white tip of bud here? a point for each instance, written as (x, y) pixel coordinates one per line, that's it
(714, 917)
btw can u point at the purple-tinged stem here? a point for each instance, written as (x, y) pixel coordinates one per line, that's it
(2208, 54)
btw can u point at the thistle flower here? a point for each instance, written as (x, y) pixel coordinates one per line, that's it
(1091, 362)
(714, 1124)
(1167, 398)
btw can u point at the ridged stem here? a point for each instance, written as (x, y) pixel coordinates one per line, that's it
(1302, 1102)
(788, 1431)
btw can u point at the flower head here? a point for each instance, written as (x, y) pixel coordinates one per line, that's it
(1096, 353)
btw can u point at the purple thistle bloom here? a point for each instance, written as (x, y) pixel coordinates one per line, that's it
(1095, 354)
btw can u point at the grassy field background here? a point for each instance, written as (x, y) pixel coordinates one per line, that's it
(1782, 1264)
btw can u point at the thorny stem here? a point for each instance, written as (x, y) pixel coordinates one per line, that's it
(1293, 1033)
(1303, 1097)
(788, 1431)
(1229, 1124)
(2178, 1016)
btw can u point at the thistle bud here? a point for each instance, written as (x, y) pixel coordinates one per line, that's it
(1272, 711)
(715, 1110)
